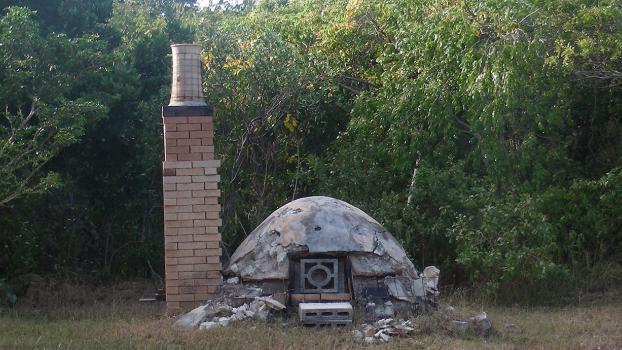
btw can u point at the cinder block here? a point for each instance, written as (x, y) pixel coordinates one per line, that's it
(325, 313)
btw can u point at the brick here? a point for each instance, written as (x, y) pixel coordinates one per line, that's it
(191, 186)
(177, 165)
(193, 274)
(206, 208)
(335, 297)
(191, 260)
(179, 149)
(213, 260)
(168, 172)
(199, 223)
(211, 245)
(210, 171)
(170, 260)
(190, 201)
(206, 164)
(203, 178)
(185, 231)
(178, 209)
(210, 200)
(190, 156)
(189, 142)
(174, 120)
(210, 237)
(207, 126)
(181, 283)
(170, 201)
(207, 141)
(172, 290)
(191, 216)
(210, 185)
(195, 171)
(171, 275)
(185, 268)
(193, 245)
(196, 134)
(180, 238)
(171, 216)
(188, 127)
(172, 246)
(207, 156)
(180, 134)
(180, 297)
(170, 157)
(177, 194)
(169, 187)
(170, 127)
(217, 252)
(201, 119)
(176, 179)
(209, 149)
(179, 223)
(206, 193)
(200, 267)
(171, 142)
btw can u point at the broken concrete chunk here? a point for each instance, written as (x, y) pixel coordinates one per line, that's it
(209, 325)
(481, 324)
(270, 302)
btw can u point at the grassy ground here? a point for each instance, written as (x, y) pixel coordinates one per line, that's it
(112, 319)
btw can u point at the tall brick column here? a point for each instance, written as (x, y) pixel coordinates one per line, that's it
(190, 179)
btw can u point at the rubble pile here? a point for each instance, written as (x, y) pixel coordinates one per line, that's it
(382, 330)
(260, 308)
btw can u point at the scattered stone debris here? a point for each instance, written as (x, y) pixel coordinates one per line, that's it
(382, 330)
(479, 324)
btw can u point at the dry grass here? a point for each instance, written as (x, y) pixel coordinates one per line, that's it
(117, 321)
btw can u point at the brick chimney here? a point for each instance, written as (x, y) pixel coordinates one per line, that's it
(190, 179)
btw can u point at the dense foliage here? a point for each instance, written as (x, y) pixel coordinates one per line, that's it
(483, 134)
